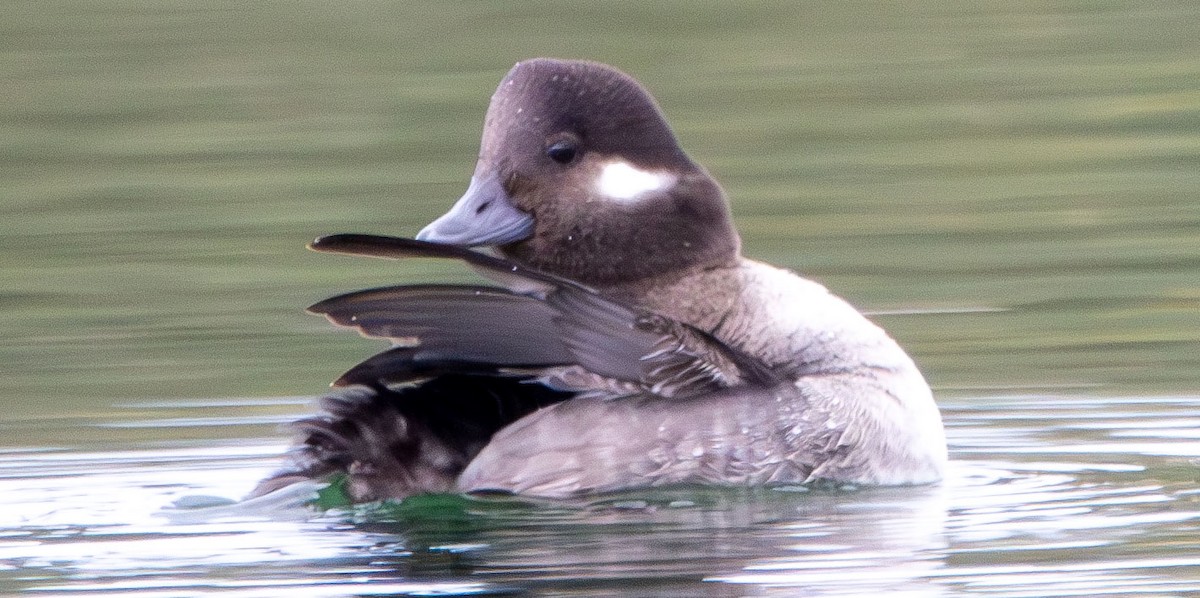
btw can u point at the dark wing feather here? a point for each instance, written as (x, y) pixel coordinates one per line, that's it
(406, 364)
(471, 323)
(601, 334)
(509, 274)
(557, 323)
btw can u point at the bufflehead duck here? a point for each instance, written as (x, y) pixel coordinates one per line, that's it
(628, 344)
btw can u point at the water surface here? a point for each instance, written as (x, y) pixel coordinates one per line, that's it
(1010, 188)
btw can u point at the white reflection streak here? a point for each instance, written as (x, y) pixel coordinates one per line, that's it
(892, 545)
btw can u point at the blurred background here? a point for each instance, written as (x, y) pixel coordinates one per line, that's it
(1013, 188)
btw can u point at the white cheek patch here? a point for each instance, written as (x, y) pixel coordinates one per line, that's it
(621, 181)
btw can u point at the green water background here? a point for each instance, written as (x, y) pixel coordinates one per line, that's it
(1024, 175)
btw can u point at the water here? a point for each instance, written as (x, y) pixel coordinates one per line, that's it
(1011, 188)
(1048, 496)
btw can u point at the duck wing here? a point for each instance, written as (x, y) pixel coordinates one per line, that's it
(470, 361)
(571, 336)
(442, 328)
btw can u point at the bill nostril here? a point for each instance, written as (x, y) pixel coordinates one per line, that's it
(483, 206)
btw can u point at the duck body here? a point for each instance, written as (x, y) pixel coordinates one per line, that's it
(628, 344)
(850, 405)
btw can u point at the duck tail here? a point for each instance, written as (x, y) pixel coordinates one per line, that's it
(395, 442)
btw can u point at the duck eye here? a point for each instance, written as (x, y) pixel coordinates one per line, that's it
(562, 152)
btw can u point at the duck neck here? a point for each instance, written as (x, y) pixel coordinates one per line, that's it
(710, 292)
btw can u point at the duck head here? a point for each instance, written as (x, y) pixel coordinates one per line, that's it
(579, 175)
